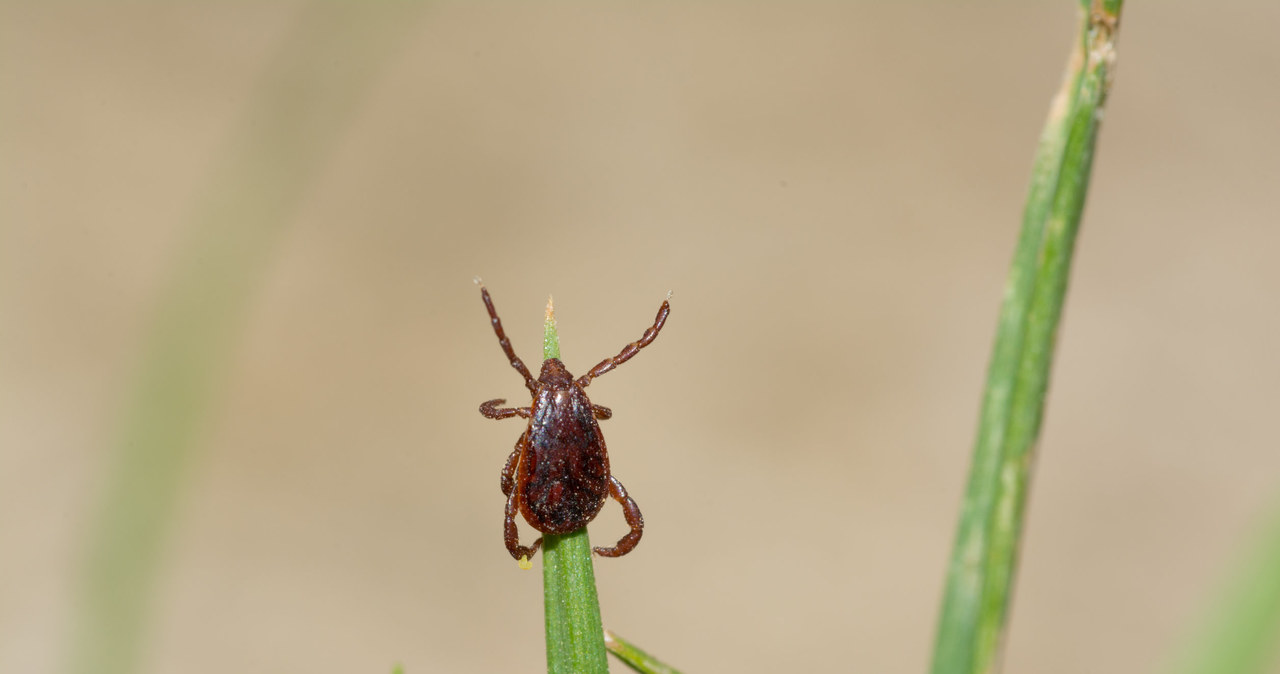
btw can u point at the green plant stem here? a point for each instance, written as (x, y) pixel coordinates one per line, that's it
(575, 636)
(635, 658)
(1243, 632)
(981, 573)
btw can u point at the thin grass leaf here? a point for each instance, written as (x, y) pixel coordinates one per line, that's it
(635, 658)
(981, 574)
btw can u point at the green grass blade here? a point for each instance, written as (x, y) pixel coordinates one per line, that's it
(965, 577)
(634, 657)
(575, 636)
(981, 573)
(1243, 633)
(288, 131)
(550, 336)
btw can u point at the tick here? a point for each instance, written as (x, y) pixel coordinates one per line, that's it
(558, 475)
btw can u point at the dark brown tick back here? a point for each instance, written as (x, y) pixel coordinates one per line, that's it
(558, 476)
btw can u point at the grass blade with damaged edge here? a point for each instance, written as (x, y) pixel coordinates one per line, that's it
(981, 573)
(1243, 633)
(575, 636)
(301, 104)
(634, 657)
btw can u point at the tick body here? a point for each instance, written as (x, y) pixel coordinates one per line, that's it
(558, 476)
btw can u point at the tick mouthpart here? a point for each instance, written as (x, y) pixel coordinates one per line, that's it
(555, 373)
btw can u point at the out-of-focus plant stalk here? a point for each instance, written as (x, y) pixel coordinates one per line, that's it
(1242, 635)
(981, 574)
(635, 658)
(302, 103)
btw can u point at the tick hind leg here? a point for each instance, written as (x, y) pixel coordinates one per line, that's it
(634, 519)
(512, 535)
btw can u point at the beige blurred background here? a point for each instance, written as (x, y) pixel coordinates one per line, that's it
(833, 192)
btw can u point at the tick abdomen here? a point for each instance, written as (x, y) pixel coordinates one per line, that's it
(565, 468)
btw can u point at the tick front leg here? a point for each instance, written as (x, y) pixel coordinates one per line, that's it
(634, 519)
(505, 343)
(512, 535)
(629, 351)
(490, 409)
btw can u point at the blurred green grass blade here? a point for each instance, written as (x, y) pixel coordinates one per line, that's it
(981, 573)
(956, 637)
(575, 635)
(301, 104)
(634, 657)
(1026, 411)
(1242, 635)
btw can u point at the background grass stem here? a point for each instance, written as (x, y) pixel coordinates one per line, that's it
(288, 131)
(981, 574)
(1242, 634)
(635, 658)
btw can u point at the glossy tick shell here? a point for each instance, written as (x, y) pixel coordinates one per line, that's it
(563, 473)
(558, 475)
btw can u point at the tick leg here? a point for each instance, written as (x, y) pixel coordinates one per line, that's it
(634, 520)
(490, 409)
(509, 471)
(629, 350)
(512, 535)
(505, 343)
(601, 411)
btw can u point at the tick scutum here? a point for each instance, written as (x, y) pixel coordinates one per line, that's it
(564, 475)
